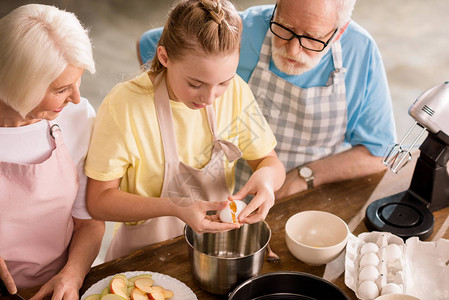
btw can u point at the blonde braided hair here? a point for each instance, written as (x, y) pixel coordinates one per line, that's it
(211, 27)
(215, 10)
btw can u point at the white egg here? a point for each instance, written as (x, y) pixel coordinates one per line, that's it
(231, 213)
(369, 259)
(393, 252)
(368, 273)
(369, 247)
(368, 290)
(391, 288)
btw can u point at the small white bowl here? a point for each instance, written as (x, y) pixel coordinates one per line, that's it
(316, 237)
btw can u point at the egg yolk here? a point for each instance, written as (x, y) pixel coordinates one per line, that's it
(233, 208)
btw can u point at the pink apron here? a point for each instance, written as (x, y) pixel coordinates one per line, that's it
(181, 181)
(36, 224)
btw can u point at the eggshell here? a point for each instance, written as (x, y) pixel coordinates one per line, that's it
(368, 273)
(391, 288)
(369, 247)
(369, 259)
(368, 290)
(225, 214)
(393, 252)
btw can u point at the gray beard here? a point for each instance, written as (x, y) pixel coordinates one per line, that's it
(307, 62)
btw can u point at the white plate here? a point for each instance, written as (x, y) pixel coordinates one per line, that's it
(179, 289)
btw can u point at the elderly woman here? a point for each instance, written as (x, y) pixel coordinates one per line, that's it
(46, 234)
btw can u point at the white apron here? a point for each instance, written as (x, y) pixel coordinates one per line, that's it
(181, 181)
(36, 224)
(308, 123)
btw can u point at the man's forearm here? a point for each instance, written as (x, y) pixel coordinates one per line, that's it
(355, 162)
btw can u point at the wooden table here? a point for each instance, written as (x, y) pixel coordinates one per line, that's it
(347, 199)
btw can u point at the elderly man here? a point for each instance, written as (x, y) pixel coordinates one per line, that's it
(321, 84)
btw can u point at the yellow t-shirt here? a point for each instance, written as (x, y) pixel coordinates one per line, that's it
(126, 141)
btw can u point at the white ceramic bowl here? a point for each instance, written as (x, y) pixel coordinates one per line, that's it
(316, 237)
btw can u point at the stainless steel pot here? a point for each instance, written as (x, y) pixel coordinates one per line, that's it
(220, 261)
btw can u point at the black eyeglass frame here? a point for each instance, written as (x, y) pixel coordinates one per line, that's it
(299, 37)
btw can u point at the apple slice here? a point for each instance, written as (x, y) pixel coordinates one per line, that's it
(144, 284)
(122, 277)
(112, 297)
(119, 286)
(137, 294)
(157, 292)
(93, 297)
(168, 293)
(160, 290)
(129, 289)
(156, 296)
(133, 279)
(104, 292)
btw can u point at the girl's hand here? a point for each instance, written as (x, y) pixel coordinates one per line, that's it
(6, 277)
(261, 203)
(196, 217)
(63, 285)
(268, 177)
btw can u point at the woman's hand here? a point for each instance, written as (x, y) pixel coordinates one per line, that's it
(84, 247)
(6, 277)
(197, 218)
(64, 285)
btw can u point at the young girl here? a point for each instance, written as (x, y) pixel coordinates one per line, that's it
(165, 144)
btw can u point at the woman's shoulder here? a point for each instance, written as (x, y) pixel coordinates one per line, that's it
(76, 119)
(76, 122)
(75, 113)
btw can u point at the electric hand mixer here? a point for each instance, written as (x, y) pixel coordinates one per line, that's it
(409, 213)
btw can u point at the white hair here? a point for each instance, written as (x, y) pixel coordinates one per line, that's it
(344, 9)
(37, 42)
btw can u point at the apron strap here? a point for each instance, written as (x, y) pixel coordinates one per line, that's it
(338, 75)
(265, 52)
(165, 119)
(231, 151)
(55, 133)
(337, 55)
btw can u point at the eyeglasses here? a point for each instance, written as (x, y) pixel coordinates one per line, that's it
(306, 42)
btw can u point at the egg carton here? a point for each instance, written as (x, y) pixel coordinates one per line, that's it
(379, 263)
